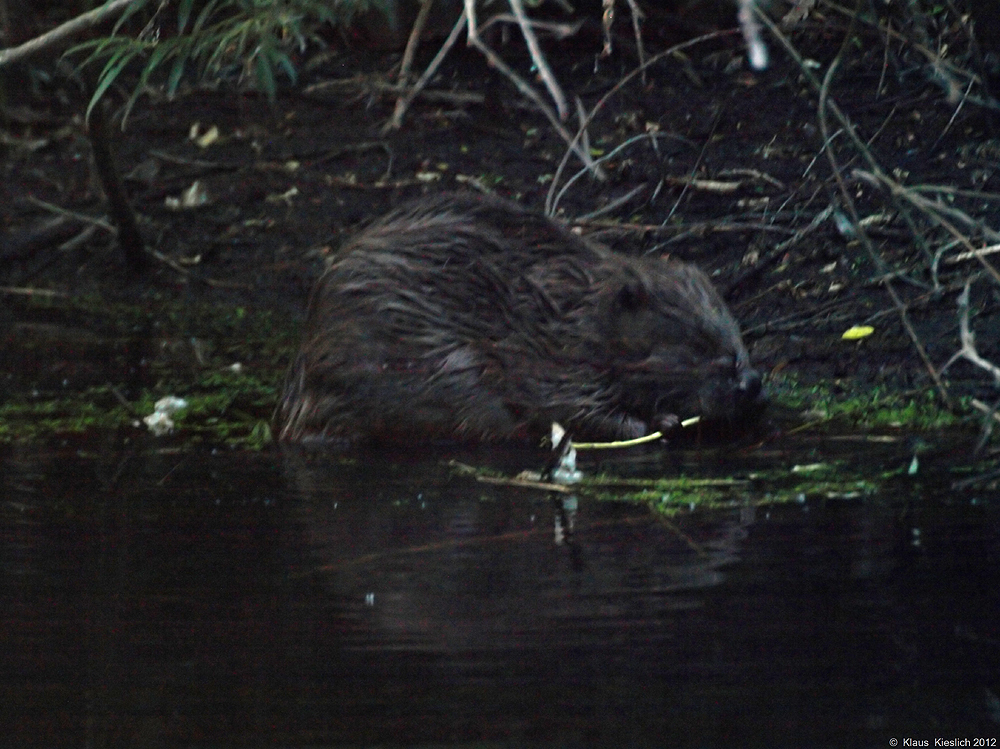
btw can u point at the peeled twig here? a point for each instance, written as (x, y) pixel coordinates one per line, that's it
(756, 51)
(619, 443)
(973, 255)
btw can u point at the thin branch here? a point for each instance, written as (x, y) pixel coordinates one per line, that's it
(537, 57)
(414, 41)
(695, 167)
(550, 198)
(637, 16)
(827, 104)
(495, 60)
(65, 31)
(606, 157)
(403, 103)
(968, 338)
(613, 205)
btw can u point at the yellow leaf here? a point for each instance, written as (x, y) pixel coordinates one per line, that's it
(207, 138)
(857, 332)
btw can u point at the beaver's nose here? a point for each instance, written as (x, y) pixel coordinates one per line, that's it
(750, 389)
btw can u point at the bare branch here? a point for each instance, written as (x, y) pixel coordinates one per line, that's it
(968, 338)
(404, 101)
(548, 78)
(65, 31)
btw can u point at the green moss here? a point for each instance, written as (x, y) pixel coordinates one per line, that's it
(670, 495)
(222, 408)
(834, 481)
(232, 404)
(852, 404)
(28, 421)
(225, 360)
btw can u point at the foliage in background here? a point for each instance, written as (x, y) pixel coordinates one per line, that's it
(257, 39)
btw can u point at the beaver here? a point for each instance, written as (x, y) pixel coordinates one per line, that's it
(468, 317)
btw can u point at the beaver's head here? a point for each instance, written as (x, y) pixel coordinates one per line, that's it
(675, 346)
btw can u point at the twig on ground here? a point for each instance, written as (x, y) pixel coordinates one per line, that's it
(24, 291)
(613, 205)
(951, 120)
(81, 217)
(694, 167)
(606, 157)
(973, 254)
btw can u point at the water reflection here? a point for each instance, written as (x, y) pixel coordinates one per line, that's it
(152, 599)
(464, 567)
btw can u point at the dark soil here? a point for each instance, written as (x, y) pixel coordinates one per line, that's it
(287, 183)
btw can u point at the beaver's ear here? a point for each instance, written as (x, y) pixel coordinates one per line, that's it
(633, 296)
(628, 319)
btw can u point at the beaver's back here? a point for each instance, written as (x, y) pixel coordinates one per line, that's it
(462, 316)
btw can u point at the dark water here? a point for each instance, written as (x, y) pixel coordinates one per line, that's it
(263, 600)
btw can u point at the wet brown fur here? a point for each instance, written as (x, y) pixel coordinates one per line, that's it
(467, 317)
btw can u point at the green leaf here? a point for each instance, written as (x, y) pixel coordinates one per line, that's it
(174, 79)
(160, 52)
(183, 15)
(130, 10)
(111, 71)
(285, 62)
(205, 16)
(231, 44)
(265, 76)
